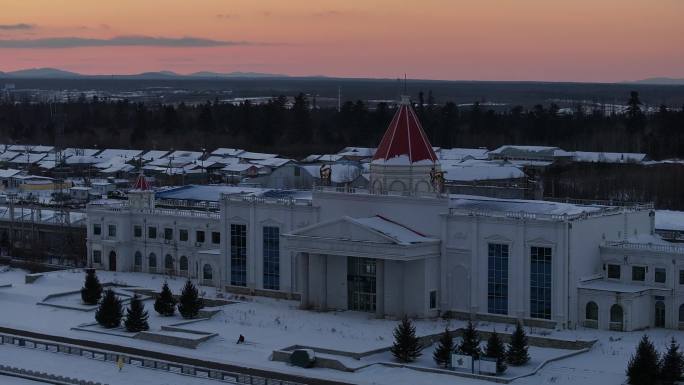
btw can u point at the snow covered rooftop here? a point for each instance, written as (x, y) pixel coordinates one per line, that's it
(227, 151)
(404, 142)
(120, 153)
(669, 220)
(255, 155)
(399, 233)
(211, 193)
(8, 173)
(471, 203)
(8, 155)
(481, 171)
(272, 162)
(28, 158)
(462, 153)
(154, 154)
(516, 150)
(609, 157)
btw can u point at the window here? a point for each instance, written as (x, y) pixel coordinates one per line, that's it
(168, 262)
(540, 282)
(111, 231)
(183, 235)
(591, 311)
(97, 229)
(152, 232)
(433, 299)
(207, 272)
(215, 237)
(271, 248)
(297, 171)
(138, 259)
(638, 273)
(168, 234)
(152, 263)
(660, 275)
(137, 231)
(183, 263)
(614, 271)
(681, 277)
(238, 255)
(97, 256)
(361, 284)
(681, 313)
(199, 236)
(497, 279)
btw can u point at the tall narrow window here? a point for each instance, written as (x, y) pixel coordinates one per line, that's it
(238, 255)
(497, 277)
(540, 282)
(271, 246)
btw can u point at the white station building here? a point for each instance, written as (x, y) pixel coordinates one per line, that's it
(402, 247)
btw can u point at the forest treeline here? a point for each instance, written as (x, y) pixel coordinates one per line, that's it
(298, 127)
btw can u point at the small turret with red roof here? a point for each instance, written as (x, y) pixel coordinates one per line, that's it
(141, 196)
(404, 161)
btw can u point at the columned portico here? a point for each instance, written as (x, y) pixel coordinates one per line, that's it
(350, 264)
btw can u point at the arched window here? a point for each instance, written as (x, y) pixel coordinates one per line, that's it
(183, 263)
(660, 314)
(591, 311)
(616, 317)
(168, 262)
(153, 261)
(207, 272)
(681, 313)
(137, 261)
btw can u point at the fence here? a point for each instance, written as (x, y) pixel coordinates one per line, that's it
(150, 362)
(42, 377)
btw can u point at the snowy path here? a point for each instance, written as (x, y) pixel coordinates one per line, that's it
(87, 369)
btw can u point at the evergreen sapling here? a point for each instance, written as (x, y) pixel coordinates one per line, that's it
(642, 368)
(91, 292)
(110, 311)
(406, 347)
(442, 354)
(495, 349)
(671, 364)
(136, 316)
(517, 350)
(189, 304)
(165, 304)
(470, 345)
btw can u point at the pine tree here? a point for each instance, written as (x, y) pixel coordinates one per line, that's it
(189, 304)
(110, 311)
(445, 347)
(672, 364)
(136, 316)
(406, 347)
(642, 368)
(471, 342)
(517, 350)
(495, 349)
(91, 292)
(165, 304)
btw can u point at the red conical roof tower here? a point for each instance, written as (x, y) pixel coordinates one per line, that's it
(141, 184)
(405, 141)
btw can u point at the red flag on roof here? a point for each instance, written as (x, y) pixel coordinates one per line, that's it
(405, 138)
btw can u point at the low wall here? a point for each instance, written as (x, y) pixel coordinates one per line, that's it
(42, 376)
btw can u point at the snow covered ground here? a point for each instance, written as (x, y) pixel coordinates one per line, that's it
(270, 324)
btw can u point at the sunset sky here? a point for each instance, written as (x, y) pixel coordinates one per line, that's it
(579, 40)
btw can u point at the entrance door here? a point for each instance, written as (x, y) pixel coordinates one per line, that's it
(659, 314)
(361, 284)
(112, 261)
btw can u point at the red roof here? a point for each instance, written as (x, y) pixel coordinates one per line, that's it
(141, 183)
(405, 136)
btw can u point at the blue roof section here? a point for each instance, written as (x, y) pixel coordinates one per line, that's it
(211, 193)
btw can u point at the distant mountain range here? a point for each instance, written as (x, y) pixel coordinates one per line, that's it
(54, 73)
(660, 81)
